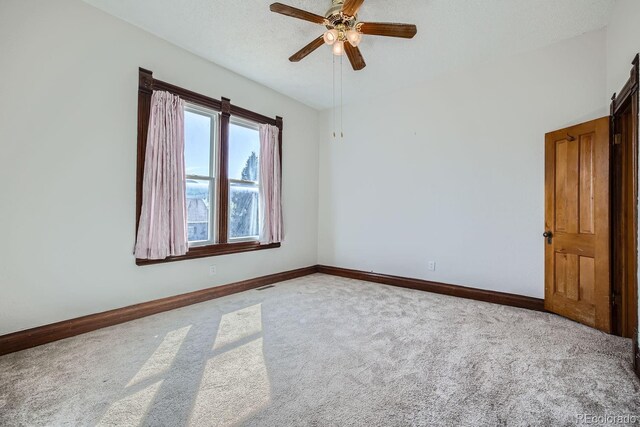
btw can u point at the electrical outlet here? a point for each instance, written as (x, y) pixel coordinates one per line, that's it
(431, 266)
(212, 270)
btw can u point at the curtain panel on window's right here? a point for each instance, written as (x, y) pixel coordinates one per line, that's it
(271, 224)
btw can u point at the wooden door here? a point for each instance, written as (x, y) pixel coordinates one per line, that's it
(577, 246)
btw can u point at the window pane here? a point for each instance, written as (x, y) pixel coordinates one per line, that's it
(243, 211)
(197, 142)
(244, 152)
(198, 210)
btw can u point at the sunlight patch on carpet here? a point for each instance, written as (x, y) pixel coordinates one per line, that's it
(235, 383)
(161, 359)
(239, 325)
(131, 409)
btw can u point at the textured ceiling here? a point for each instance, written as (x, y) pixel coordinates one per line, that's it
(245, 37)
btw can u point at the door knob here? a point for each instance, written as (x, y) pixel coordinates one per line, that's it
(548, 235)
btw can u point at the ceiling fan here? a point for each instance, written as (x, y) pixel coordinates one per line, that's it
(344, 31)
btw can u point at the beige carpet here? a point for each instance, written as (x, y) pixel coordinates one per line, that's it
(325, 351)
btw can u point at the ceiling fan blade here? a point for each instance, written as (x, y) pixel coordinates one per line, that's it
(296, 13)
(388, 29)
(355, 57)
(350, 7)
(316, 43)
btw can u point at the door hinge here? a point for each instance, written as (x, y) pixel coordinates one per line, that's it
(615, 299)
(617, 138)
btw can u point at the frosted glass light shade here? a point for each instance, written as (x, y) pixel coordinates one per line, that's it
(354, 37)
(338, 48)
(330, 36)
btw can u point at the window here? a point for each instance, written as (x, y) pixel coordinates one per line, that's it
(244, 155)
(200, 128)
(200, 147)
(222, 158)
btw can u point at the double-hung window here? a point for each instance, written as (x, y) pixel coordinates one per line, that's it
(244, 182)
(201, 145)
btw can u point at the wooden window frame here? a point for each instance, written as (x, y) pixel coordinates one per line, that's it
(146, 85)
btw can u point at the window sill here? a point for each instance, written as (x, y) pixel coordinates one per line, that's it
(212, 250)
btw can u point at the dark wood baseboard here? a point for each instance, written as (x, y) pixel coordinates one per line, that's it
(439, 288)
(68, 328)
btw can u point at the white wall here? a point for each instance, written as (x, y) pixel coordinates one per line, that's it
(68, 105)
(453, 170)
(623, 44)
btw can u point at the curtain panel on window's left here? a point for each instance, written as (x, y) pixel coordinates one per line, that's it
(162, 230)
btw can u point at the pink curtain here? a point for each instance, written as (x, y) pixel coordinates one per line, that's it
(162, 231)
(271, 224)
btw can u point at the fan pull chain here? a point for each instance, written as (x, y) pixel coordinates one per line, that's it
(341, 99)
(333, 93)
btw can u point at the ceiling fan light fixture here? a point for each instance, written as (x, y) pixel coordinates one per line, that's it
(354, 37)
(341, 26)
(338, 48)
(331, 36)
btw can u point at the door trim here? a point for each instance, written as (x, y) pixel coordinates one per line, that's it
(630, 88)
(629, 96)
